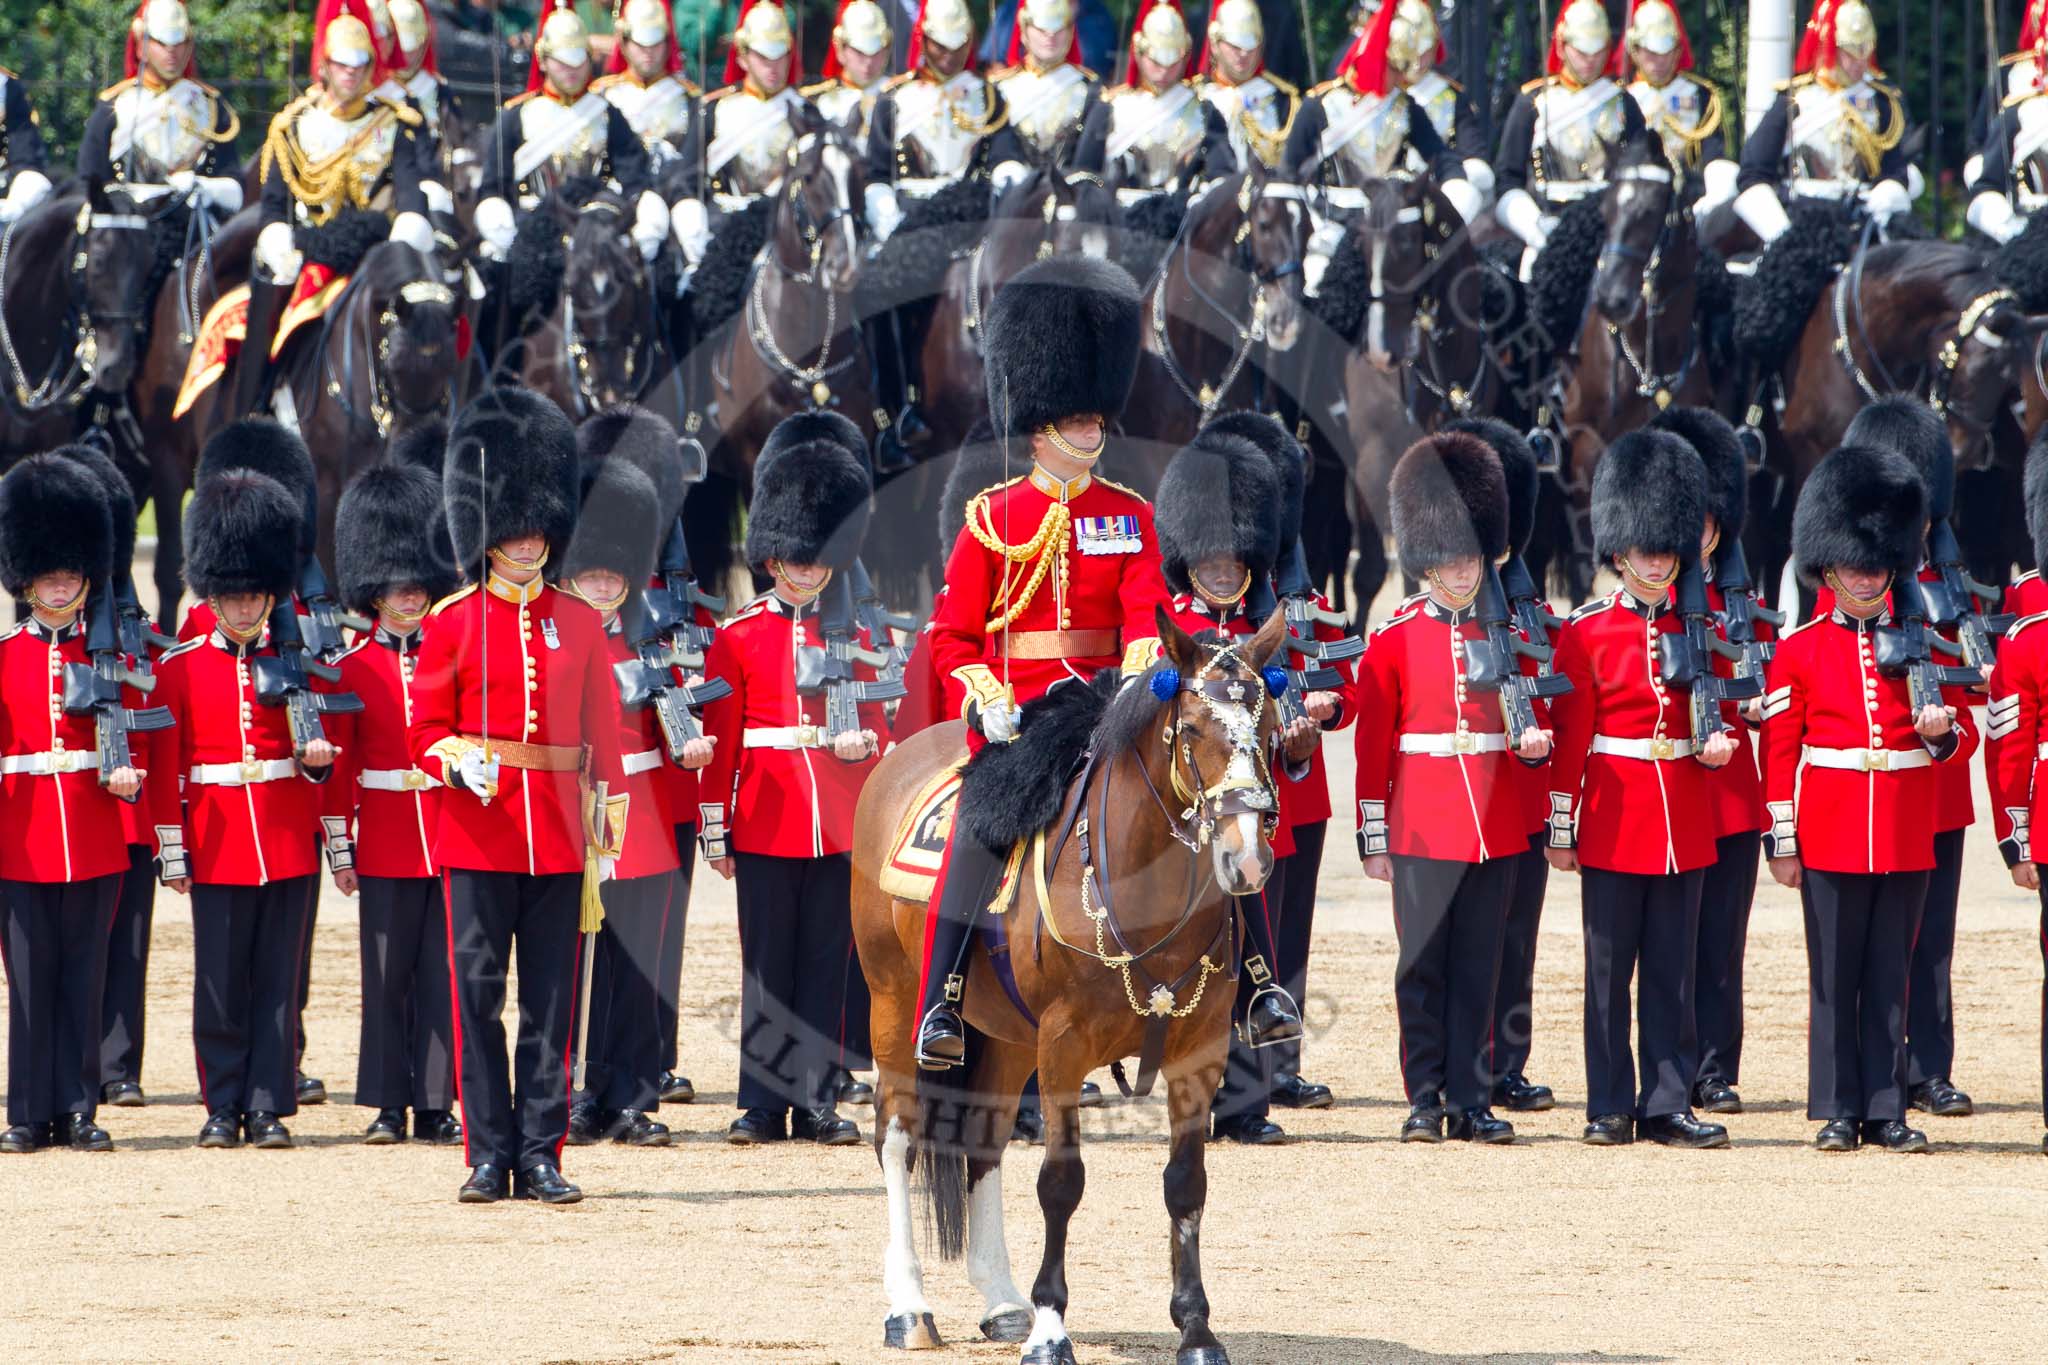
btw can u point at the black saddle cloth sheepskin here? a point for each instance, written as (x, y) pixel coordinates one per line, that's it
(1011, 791)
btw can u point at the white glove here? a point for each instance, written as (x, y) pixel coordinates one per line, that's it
(1480, 174)
(885, 210)
(439, 200)
(494, 224)
(1991, 213)
(1916, 182)
(276, 254)
(476, 776)
(222, 192)
(1008, 174)
(1758, 206)
(1717, 178)
(182, 183)
(1315, 258)
(24, 192)
(1973, 168)
(691, 227)
(999, 723)
(415, 231)
(1465, 197)
(1886, 199)
(1520, 214)
(650, 224)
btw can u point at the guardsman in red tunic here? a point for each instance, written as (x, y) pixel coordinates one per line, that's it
(392, 561)
(1735, 789)
(2016, 735)
(242, 845)
(1631, 802)
(779, 795)
(513, 709)
(63, 849)
(1850, 788)
(1057, 572)
(1441, 810)
(1908, 426)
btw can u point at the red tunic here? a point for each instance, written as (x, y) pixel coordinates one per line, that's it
(681, 784)
(1638, 814)
(392, 806)
(55, 826)
(1306, 800)
(1423, 791)
(1736, 788)
(650, 847)
(550, 684)
(785, 794)
(1826, 694)
(2026, 595)
(2015, 728)
(235, 832)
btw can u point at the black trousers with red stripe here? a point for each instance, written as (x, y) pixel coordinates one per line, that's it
(2044, 1001)
(247, 944)
(406, 1053)
(1930, 1000)
(671, 978)
(1450, 917)
(1726, 894)
(624, 1070)
(1651, 921)
(53, 936)
(796, 923)
(516, 1112)
(1859, 950)
(121, 1012)
(1514, 1019)
(1294, 924)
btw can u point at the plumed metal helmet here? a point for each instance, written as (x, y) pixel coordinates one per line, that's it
(53, 517)
(1061, 338)
(274, 450)
(978, 466)
(1518, 469)
(810, 506)
(510, 470)
(1219, 496)
(1290, 462)
(424, 447)
(620, 527)
(1863, 508)
(1907, 426)
(239, 536)
(1709, 433)
(2035, 484)
(1449, 498)
(1650, 494)
(119, 497)
(388, 532)
(644, 440)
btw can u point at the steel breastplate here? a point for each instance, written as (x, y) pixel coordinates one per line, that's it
(1043, 105)
(930, 115)
(1154, 143)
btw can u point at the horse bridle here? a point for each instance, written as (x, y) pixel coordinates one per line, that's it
(1649, 381)
(579, 346)
(341, 388)
(1208, 397)
(809, 380)
(62, 384)
(1461, 398)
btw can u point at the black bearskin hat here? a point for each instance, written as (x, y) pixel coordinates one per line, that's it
(1517, 467)
(240, 530)
(1218, 496)
(424, 447)
(1710, 434)
(804, 428)
(528, 450)
(2035, 483)
(643, 440)
(388, 531)
(1061, 338)
(120, 500)
(53, 517)
(1449, 497)
(1861, 507)
(1907, 426)
(1649, 493)
(274, 450)
(977, 467)
(810, 506)
(620, 527)
(1290, 462)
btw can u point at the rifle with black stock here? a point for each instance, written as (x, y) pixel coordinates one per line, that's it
(1685, 658)
(887, 631)
(653, 619)
(1957, 601)
(1493, 663)
(1909, 648)
(285, 678)
(325, 618)
(1527, 609)
(679, 578)
(828, 668)
(95, 688)
(1740, 612)
(1311, 659)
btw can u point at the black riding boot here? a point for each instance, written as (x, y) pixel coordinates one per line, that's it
(267, 299)
(1270, 1015)
(882, 338)
(973, 871)
(913, 323)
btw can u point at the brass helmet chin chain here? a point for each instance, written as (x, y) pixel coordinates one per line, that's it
(1051, 432)
(1859, 605)
(1458, 600)
(65, 613)
(792, 587)
(1630, 573)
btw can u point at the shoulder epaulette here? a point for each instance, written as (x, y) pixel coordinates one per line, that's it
(355, 648)
(1795, 82)
(2031, 573)
(983, 498)
(1882, 85)
(116, 88)
(2009, 58)
(402, 110)
(819, 88)
(1086, 74)
(1533, 86)
(997, 73)
(17, 628)
(1455, 85)
(1123, 488)
(751, 610)
(1807, 624)
(209, 89)
(1318, 91)
(9, 75)
(1285, 87)
(184, 647)
(1593, 608)
(1112, 91)
(520, 98)
(1407, 611)
(451, 599)
(2020, 98)
(608, 80)
(2012, 633)
(901, 78)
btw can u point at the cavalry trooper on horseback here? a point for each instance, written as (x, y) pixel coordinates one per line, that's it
(415, 75)
(1258, 107)
(161, 133)
(1834, 132)
(337, 148)
(2011, 180)
(1681, 109)
(855, 66)
(1564, 130)
(748, 127)
(644, 81)
(1162, 134)
(23, 159)
(1054, 103)
(2018, 75)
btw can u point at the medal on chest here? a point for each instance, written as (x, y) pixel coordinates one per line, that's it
(1116, 535)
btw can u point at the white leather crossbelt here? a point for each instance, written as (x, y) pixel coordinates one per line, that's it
(644, 762)
(50, 764)
(1451, 746)
(1869, 760)
(1649, 750)
(396, 780)
(241, 774)
(785, 737)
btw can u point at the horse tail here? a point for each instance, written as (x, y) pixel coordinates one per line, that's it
(947, 1111)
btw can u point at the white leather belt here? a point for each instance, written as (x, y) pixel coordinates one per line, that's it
(1804, 187)
(1450, 746)
(645, 762)
(1869, 760)
(785, 737)
(396, 780)
(50, 764)
(242, 774)
(1570, 191)
(1650, 750)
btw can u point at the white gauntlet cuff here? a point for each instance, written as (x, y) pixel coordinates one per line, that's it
(1563, 832)
(1372, 828)
(170, 844)
(1782, 839)
(711, 830)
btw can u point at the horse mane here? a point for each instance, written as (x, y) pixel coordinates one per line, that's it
(2021, 265)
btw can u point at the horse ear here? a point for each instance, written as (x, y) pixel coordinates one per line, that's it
(1267, 642)
(1176, 645)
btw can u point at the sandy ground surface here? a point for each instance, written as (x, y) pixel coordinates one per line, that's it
(1344, 1246)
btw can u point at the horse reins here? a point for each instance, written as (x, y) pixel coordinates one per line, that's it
(1207, 398)
(1649, 381)
(810, 380)
(62, 385)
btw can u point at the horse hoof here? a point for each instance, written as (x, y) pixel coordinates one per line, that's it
(1203, 1355)
(910, 1332)
(1012, 1324)
(1059, 1352)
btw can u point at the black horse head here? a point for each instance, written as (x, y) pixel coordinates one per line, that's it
(111, 287)
(1642, 207)
(818, 233)
(1395, 238)
(414, 329)
(607, 296)
(1277, 230)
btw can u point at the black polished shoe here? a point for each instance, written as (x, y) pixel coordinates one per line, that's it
(1893, 1135)
(677, 1089)
(1091, 1095)
(1940, 1098)
(123, 1095)
(81, 1134)
(543, 1182)
(1610, 1130)
(264, 1131)
(586, 1125)
(1715, 1096)
(1516, 1093)
(311, 1090)
(1292, 1092)
(1253, 1130)
(854, 1090)
(1029, 1127)
(23, 1138)
(1683, 1130)
(222, 1130)
(756, 1126)
(1478, 1125)
(824, 1126)
(632, 1128)
(941, 1039)
(386, 1130)
(486, 1185)
(1272, 1017)
(1838, 1135)
(437, 1126)
(1425, 1122)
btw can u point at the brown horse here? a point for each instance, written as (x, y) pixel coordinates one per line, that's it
(605, 341)
(1135, 900)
